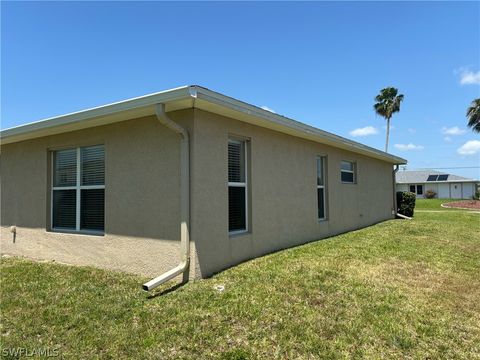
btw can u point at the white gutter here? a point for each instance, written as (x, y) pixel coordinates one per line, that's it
(439, 182)
(281, 123)
(183, 267)
(90, 117)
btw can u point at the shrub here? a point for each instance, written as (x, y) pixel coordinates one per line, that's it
(430, 194)
(405, 203)
(476, 196)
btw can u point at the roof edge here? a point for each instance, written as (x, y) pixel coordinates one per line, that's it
(437, 182)
(66, 122)
(341, 142)
(102, 110)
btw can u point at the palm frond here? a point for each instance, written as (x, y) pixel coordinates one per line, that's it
(388, 102)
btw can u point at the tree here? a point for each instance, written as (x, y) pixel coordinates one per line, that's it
(388, 103)
(473, 115)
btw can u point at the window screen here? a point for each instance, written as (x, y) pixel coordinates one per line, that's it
(65, 168)
(237, 186)
(64, 208)
(92, 209)
(78, 191)
(236, 161)
(93, 165)
(236, 209)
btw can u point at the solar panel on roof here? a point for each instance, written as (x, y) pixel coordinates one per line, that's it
(442, 177)
(432, 177)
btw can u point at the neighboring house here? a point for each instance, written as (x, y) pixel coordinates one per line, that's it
(186, 176)
(445, 186)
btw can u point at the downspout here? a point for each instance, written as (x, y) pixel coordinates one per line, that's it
(394, 173)
(183, 267)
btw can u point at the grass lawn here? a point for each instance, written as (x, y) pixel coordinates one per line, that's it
(399, 289)
(432, 204)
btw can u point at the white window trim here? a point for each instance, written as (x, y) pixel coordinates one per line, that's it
(354, 172)
(324, 218)
(78, 187)
(242, 184)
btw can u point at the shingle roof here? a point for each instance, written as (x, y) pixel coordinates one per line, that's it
(421, 176)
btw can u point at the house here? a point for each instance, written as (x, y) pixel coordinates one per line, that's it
(185, 181)
(445, 186)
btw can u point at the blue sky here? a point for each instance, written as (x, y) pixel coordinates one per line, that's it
(320, 63)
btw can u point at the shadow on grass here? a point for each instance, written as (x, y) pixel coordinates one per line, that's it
(163, 291)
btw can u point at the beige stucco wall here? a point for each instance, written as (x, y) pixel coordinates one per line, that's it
(283, 202)
(142, 215)
(142, 195)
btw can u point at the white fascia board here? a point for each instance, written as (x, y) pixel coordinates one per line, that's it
(455, 181)
(138, 106)
(195, 96)
(438, 182)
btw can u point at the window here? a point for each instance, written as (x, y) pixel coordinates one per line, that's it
(348, 172)
(321, 185)
(416, 189)
(78, 189)
(237, 186)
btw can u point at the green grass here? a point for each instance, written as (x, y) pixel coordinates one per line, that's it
(434, 204)
(399, 289)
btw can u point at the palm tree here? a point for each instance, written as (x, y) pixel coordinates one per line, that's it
(473, 115)
(387, 103)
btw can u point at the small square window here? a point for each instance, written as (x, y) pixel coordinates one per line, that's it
(348, 172)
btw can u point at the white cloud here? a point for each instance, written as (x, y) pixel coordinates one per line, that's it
(447, 139)
(453, 131)
(412, 130)
(468, 77)
(365, 131)
(267, 108)
(471, 147)
(407, 147)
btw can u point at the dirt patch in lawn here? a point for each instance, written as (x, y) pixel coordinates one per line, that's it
(464, 204)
